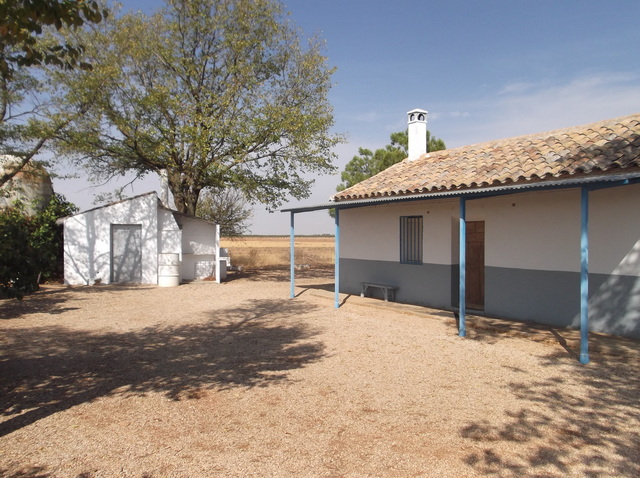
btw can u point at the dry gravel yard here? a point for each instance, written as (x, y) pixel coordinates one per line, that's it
(237, 380)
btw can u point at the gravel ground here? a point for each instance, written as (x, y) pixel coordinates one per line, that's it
(236, 379)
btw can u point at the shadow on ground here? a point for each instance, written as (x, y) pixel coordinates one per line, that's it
(30, 472)
(46, 370)
(557, 430)
(51, 299)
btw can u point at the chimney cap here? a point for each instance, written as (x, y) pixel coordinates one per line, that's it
(417, 115)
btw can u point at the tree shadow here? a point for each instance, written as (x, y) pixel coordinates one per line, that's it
(557, 430)
(30, 472)
(51, 299)
(46, 370)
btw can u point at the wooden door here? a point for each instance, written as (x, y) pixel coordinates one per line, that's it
(474, 283)
(126, 253)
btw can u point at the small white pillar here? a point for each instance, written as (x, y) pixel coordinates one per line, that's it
(217, 264)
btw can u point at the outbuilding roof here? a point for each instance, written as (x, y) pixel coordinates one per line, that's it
(596, 149)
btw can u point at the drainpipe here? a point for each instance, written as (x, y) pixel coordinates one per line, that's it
(462, 328)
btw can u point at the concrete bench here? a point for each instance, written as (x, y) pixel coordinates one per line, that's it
(387, 290)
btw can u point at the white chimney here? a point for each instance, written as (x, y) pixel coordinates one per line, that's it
(417, 130)
(164, 188)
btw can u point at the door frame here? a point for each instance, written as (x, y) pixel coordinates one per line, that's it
(112, 272)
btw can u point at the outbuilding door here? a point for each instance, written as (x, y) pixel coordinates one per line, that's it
(474, 284)
(126, 253)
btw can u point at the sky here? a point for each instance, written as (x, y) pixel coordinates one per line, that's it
(484, 70)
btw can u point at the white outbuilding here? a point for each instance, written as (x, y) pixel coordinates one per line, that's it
(139, 240)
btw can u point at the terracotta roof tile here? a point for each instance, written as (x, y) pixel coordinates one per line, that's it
(590, 149)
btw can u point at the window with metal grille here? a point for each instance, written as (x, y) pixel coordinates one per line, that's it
(411, 239)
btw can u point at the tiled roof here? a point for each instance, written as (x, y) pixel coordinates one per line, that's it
(594, 149)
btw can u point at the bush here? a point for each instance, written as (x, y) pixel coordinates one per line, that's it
(30, 246)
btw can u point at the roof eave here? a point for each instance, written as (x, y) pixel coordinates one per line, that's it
(596, 182)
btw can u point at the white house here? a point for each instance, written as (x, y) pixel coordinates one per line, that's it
(138, 240)
(542, 228)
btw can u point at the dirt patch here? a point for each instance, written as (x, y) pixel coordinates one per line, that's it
(235, 379)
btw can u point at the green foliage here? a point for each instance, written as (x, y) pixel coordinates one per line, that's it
(30, 246)
(18, 273)
(220, 93)
(226, 207)
(21, 27)
(369, 163)
(27, 120)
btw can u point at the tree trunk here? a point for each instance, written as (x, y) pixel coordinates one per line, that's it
(185, 196)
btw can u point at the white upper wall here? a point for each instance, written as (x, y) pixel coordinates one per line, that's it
(614, 225)
(170, 235)
(533, 230)
(374, 233)
(198, 236)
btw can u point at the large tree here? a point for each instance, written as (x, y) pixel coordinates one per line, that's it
(27, 120)
(370, 163)
(220, 93)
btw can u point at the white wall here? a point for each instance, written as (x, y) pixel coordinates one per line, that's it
(198, 236)
(373, 233)
(533, 230)
(170, 235)
(87, 240)
(198, 247)
(614, 225)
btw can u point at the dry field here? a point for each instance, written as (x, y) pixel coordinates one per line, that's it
(270, 251)
(237, 380)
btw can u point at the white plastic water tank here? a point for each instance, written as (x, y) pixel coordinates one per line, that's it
(168, 269)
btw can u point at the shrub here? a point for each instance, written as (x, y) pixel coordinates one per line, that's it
(30, 246)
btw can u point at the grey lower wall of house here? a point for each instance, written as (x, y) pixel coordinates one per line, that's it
(547, 297)
(553, 297)
(614, 304)
(425, 284)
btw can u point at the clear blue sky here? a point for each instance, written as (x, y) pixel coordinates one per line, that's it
(484, 70)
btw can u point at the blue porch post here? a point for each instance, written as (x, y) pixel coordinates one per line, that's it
(462, 331)
(337, 259)
(292, 256)
(584, 276)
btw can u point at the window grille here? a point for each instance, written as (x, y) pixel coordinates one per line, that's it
(411, 239)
